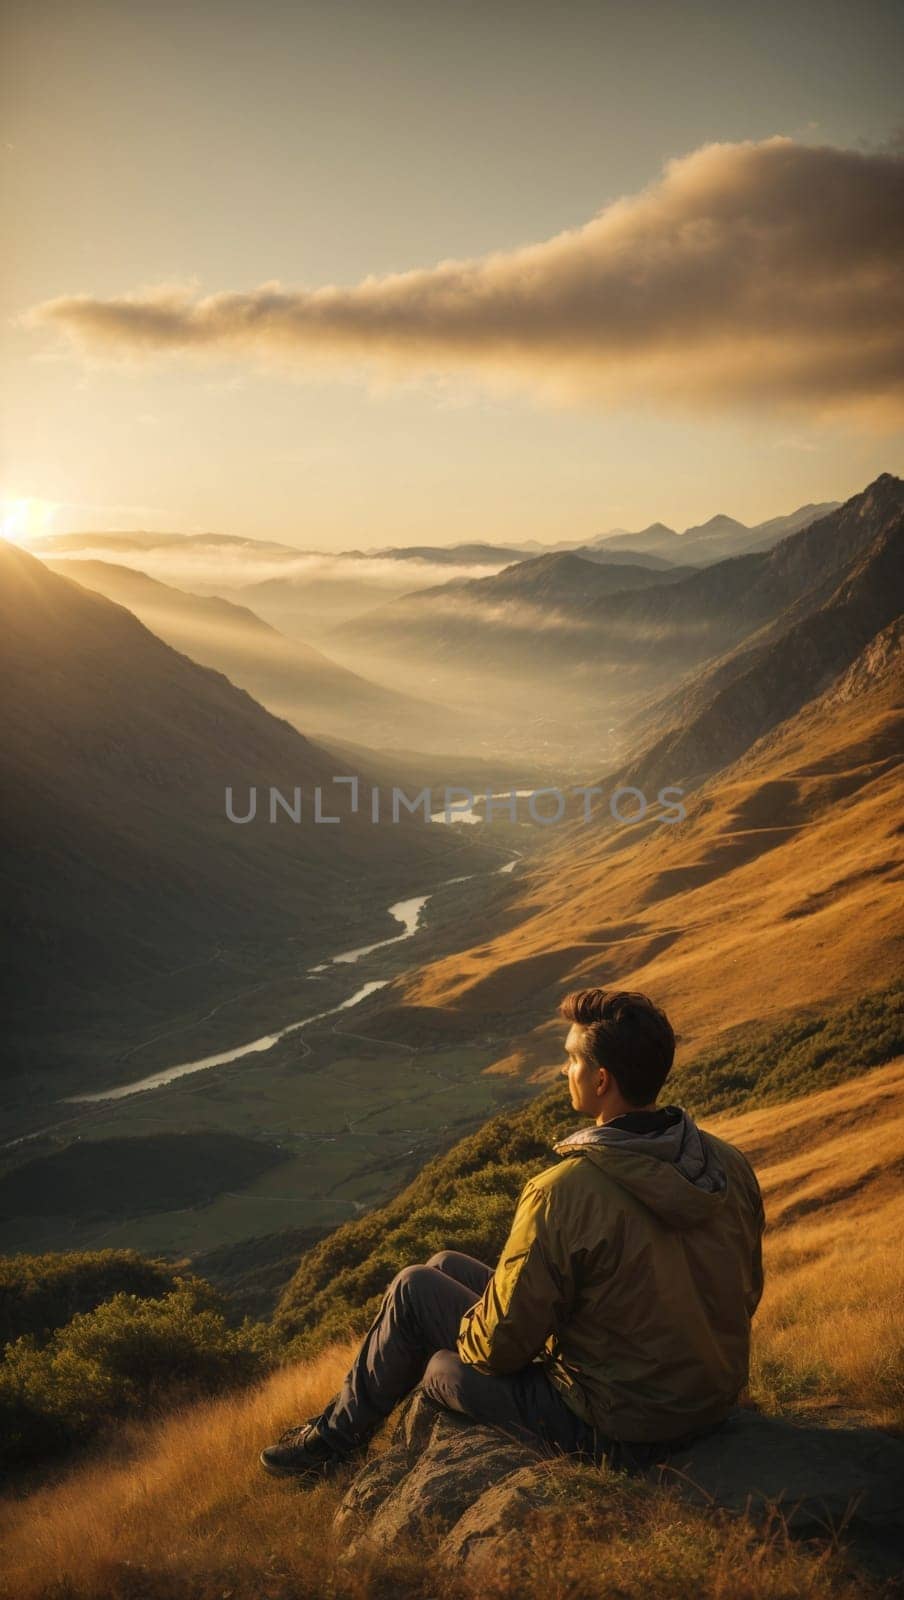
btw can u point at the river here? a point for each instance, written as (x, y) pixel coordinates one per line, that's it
(407, 912)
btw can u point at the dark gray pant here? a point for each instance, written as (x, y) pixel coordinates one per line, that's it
(412, 1341)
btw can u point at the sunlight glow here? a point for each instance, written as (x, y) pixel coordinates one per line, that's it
(24, 520)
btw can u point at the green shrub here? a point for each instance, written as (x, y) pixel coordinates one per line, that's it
(128, 1357)
(39, 1294)
(760, 1067)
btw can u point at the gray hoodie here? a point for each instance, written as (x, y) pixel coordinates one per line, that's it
(678, 1142)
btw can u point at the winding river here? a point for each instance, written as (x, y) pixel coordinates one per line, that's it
(407, 912)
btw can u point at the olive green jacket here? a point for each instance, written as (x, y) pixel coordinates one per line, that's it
(632, 1282)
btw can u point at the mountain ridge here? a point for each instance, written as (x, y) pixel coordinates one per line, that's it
(116, 753)
(292, 678)
(863, 522)
(588, 639)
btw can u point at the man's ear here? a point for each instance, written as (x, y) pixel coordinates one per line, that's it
(603, 1083)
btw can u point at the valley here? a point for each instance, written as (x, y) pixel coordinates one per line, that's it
(309, 1067)
(452, 802)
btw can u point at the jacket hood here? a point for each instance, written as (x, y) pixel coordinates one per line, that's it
(673, 1169)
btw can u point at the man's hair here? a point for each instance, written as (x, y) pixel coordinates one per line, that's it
(628, 1035)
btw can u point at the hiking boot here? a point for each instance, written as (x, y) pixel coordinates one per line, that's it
(302, 1452)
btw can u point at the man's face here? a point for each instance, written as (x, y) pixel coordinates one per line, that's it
(583, 1077)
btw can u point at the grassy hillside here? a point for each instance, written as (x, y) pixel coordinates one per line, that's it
(464, 1199)
(252, 1274)
(179, 1509)
(781, 892)
(828, 1335)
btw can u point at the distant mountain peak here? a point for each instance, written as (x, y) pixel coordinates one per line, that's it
(659, 528)
(655, 530)
(720, 523)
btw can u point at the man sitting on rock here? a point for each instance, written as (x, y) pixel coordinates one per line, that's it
(616, 1324)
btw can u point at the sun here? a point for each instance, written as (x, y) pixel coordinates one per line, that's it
(24, 520)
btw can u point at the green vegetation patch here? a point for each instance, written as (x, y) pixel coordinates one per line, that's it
(39, 1294)
(252, 1273)
(129, 1357)
(125, 1177)
(763, 1067)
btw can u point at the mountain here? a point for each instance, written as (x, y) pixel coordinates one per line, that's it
(720, 534)
(714, 540)
(594, 551)
(463, 554)
(846, 573)
(312, 603)
(877, 666)
(632, 572)
(524, 631)
(788, 866)
(768, 533)
(630, 557)
(561, 638)
(288, 676)
(572, 576)
(712, 611)
(441, 615)
(458, 555)
(121, 871)
(657, 539)
(760, 685)
(301, 592)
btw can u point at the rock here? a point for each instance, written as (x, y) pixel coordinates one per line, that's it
(818, 1475)
(444, 1472)
(486, 1535)
(436, 1466)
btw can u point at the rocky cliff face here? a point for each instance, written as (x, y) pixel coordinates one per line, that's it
(880, 664)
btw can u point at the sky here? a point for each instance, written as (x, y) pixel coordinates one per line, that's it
(352, 275)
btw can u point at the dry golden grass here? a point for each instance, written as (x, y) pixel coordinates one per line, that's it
(188, 1501)
(829, 1329)
(183, 1510)
(782, 889)
(189, 1514)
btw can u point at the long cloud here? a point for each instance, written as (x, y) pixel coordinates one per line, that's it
(765, 274)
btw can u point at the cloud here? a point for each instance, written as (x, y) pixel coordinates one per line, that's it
(761, 274)
(223, 567)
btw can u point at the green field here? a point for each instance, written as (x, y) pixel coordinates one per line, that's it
(342, 1120)
(351, 1129)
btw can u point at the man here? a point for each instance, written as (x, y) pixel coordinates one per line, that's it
(616, 1324)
